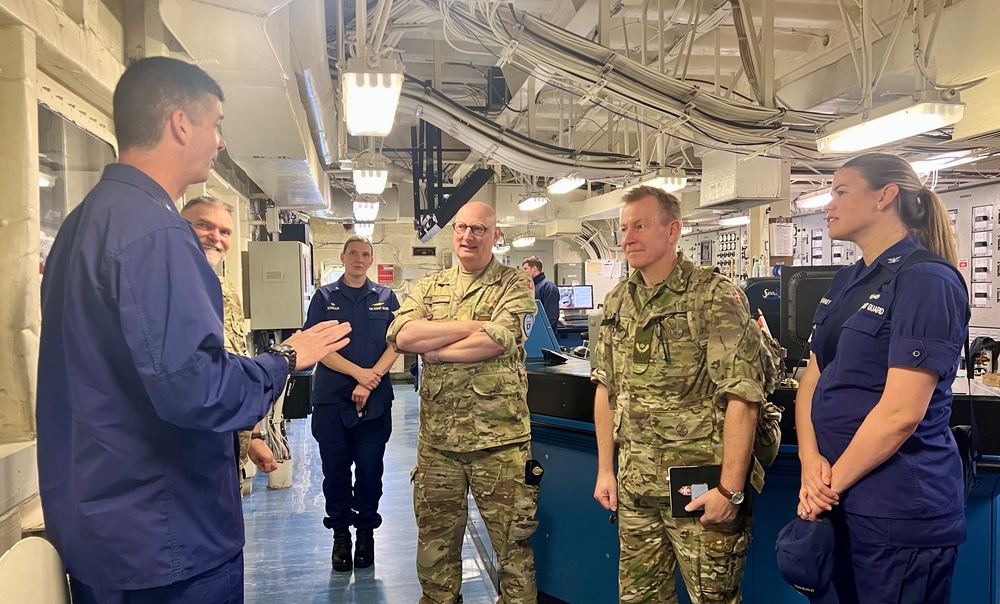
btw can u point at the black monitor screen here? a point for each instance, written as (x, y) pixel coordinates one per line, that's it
(764, 297)
(576, 297)
(802, 287)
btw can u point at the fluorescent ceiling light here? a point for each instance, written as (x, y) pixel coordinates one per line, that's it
(668, 179)
(731, 221)
(364, 229)
(523, 240)
(532, 202)
(370, 173)
(366, 211)
(948, 160)
(566, 184)
(897, 120)
(813, 200)
(371, 93)
(687, 230)
(46, 179)
(369, 182)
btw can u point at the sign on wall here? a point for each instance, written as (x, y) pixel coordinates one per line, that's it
(386, 274)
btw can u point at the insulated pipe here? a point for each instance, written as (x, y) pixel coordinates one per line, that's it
(308, 38)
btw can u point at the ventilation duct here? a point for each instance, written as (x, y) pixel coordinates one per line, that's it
(730, 181)
(247, 46)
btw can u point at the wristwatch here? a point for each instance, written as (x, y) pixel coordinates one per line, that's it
(284, 350)
(257, 435)
(734, 498)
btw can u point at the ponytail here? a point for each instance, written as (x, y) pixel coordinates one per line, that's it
(934, 230)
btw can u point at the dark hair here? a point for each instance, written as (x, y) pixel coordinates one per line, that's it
(533, 262)
(150, 90)
(920, 209)
(670, 206)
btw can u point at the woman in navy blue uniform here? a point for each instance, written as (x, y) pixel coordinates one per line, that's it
(873, 407)
(351, 404)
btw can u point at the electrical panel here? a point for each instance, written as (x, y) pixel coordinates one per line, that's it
(724, 248)
(280, 287)
(974, 215)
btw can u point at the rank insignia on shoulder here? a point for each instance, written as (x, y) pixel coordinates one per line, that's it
(641, 347)
(894, 259)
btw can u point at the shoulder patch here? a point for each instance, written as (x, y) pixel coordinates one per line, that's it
(736, 294)
(531, 285)
(527, 323)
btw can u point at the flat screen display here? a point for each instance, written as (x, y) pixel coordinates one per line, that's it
(576, 297)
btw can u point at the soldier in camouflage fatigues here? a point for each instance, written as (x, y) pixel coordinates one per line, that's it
(676, 360)
(212, 221)
(469, 324)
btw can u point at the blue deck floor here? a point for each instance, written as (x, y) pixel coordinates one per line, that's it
(288, 550)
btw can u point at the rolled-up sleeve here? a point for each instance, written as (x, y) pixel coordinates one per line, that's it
(734, 347)
(508, 324)
(928, 319)
(172, 326)
(412, 309)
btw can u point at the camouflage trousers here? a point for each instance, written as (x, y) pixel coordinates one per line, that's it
(441, 483)
(653, 544)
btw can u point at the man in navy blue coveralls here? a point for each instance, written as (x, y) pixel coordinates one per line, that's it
(351, 403)
(137, 397)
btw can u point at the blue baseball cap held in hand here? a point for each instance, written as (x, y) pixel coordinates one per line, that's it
(805, 553)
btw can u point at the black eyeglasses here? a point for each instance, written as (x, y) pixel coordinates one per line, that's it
(478, 229)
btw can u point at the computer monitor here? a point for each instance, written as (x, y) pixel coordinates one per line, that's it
(764, 297)
(802, 287)
(576, 297)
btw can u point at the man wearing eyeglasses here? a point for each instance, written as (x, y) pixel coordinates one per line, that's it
(469, 324)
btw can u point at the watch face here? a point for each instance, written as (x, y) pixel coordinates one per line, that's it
(283, 348)
(736, 499)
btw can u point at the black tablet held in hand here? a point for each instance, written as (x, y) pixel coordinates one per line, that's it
(688, 483)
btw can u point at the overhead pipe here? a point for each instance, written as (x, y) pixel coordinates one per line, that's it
(308, 37)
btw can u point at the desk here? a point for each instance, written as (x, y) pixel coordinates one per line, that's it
(576, 547)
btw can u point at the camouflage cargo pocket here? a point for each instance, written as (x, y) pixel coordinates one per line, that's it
(685, 438)
(723, 559)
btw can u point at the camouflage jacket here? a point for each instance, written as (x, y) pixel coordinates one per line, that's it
(234, 325)
(472, 406)
(668, 365)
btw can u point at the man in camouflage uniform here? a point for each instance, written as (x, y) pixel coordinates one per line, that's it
(213, 222)
(678, 384)
(469, 323)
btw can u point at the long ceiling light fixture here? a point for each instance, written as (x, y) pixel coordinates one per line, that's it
(948, 160)
(566, 184)
(523, 240)
(366, 208)
(813, 200)
(370, 173)
(891, 122)
(731, 221)
(501, 247)
(370, 87)
(532, 202)
(668, 179)
(364, 229)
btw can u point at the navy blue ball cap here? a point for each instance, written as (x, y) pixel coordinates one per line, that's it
(805, 559)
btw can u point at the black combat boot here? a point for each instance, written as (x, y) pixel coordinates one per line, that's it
(364, 555)
(341, 550)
